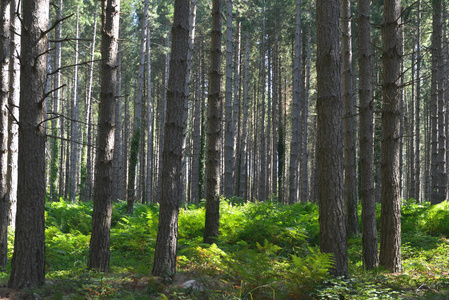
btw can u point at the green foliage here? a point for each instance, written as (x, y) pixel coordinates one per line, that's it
(69, 217)
(265, 251)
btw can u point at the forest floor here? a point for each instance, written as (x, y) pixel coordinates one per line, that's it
(265, 251)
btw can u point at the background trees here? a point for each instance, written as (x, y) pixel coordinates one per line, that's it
(273, 129)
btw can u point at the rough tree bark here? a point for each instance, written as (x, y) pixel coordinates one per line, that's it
(28, 262)
(390, 238)
(170, 200)
(330, 136)
(366, 141)
(349, 119)
(212, 223)
(229, 133)
(99, 251)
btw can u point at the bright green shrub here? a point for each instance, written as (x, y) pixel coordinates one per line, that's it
(69, 217)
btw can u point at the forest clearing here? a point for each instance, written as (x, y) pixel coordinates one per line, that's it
(265, 251)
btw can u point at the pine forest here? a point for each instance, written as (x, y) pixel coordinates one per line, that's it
(224, 149)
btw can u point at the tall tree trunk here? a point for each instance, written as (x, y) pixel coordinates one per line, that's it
(118, 150)
(195, 190)
(417, 170)
(212, 223)
(99, 251)
(75, 116)
(167, 235)
(229, 133)
(441, 79)
(14, 99)
(348, 122)
(366, 141)
(149, 183)
(89, 164)
(237, 112)
(330, 136)
(390, 239)
(275, 112)
(28, 262)
(135, 138)
(262, 157)
(281, 138)
(55, 122)
(4, 89)
(162, 107)
(294, 145)
(244, 143)
(305, 119)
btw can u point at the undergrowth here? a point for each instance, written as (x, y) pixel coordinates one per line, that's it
(265, 251)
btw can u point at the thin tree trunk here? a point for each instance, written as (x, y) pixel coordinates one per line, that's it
(417, 170)
(4, 118)
(135, 139)
(295, 144)
(149, 183)
(118, 152)
(99, 249)
(28, 262)
(89, 165)
(212, 224)
(55, 122)
(162, 107)
(366, 141)
(229, 133)
(275, 112)
(14, 98)
(75, 116)
(348, 122)
(305, 152)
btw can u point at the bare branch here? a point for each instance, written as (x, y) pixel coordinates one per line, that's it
(55, 24)
(69, 66)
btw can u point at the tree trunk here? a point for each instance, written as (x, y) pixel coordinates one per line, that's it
(28, 262)
(4, 89)
(348, 122)
(212, 223)
(99, 251)
(294, 145)
(262, 157)
(89, 164)
(441, 79)
(149, 183)
(330, 136)
(14, 99)
(229, 133)
(275, 121)
(162, 107)
(54, 195)
(75, 116)
(135, 139)
(118, 151)
(390, 239)
(366, 141)
(244, 142)
(417, 170)
(304, 193)
(167, 235)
